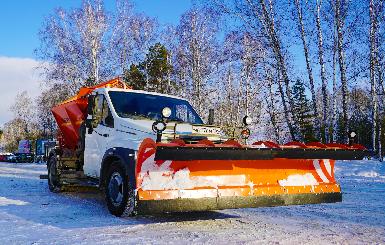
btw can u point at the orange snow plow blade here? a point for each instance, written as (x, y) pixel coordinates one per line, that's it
(178, 177)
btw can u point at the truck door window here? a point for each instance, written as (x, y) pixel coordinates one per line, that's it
(107, 119)
(97, 110)
(101, 113)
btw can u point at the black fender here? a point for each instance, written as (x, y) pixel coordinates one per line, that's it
(127, 159)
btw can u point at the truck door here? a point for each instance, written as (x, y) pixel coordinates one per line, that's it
(96, 140)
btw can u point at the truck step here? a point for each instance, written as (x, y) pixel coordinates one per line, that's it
(79, 188)
(43, 176)
(79, 182)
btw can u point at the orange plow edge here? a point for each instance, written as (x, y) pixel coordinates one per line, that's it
(179, 177)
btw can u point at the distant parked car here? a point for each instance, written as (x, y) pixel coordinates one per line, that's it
(11, 158)
(24, 157)
(5, 156)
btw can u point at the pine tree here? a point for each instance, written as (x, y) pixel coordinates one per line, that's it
(302, 108)
(134, 77)
(157, 69)
(152, 74)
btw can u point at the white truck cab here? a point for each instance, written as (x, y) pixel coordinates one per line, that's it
(121, 118)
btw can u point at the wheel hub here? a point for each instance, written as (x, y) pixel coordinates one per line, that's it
(115, 188)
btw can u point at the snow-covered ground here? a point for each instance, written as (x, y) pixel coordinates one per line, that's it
(30, 214)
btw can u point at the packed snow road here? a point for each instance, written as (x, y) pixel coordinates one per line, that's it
(30, 214)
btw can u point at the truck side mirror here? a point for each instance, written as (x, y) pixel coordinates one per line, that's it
(90, 107)
(89, 125)
(210, 120)
(90, 104)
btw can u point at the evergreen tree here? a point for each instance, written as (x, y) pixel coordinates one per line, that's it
(360, 125)
(302, 109)
(152, 74)
(157, 69)
(134, 77)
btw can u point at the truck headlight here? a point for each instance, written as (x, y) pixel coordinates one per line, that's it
(166, 112)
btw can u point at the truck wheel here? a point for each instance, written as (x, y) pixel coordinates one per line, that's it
(53, 177)
(119, 195)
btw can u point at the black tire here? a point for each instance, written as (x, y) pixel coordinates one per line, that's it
(53, 177)
(119, 195)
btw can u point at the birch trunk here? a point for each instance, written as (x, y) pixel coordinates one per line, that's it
(301, 28)
(269, 27)
(325, 110)
(380, 98)
(334, 102)
(271, 110)
(342, 66)
(372, 40)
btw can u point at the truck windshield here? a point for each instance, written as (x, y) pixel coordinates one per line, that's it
(148, 106)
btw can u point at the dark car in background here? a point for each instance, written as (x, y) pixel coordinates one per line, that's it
(23, 157)
(6, 157)
(3, 157)
(10, 158)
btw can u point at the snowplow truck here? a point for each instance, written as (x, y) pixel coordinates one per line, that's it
(152, 153)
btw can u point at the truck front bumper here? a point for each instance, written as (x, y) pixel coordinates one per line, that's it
(150, 202)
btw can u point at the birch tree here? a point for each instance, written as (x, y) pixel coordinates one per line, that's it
(240, 80)
(271, 107)
(376, 82)
(23, 110)
(325, 109)
(23, 125)
(132, 35)
(197, 43)
(303, 35)
(339, 14)
(373, 68)
(259, 16)
(73, 43)
(49, 98)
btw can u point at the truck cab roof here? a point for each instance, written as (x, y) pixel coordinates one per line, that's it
(139, 92)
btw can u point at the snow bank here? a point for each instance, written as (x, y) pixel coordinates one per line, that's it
(368, 174)
(298, 180)
(5, 202)
(361, 169)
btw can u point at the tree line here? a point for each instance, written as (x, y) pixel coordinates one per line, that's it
(303, 70)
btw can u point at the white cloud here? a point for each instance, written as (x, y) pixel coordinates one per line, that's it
(16, 75)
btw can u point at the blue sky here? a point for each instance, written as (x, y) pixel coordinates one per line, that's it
(20, 20)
